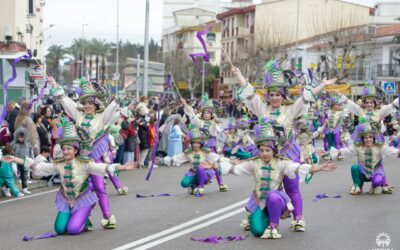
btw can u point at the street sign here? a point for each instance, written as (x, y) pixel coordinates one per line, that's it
(389, 88)
(183, 85)
(139, 83)
(116, 76)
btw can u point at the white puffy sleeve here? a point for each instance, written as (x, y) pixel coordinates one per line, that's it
(291, 169)
(390, 152)
(192, 116)
(70, 107)
(175, 160)
(386, 110)
(110, 114)
(100, 169)
(244, 168)
(353, 108)
(346, 152)
(252, 100)
(298, 108)
(288, 168)
(41, 169)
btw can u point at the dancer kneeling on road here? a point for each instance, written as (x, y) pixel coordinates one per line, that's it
(75, 199)
(204, 164)
(370, 148)
(270, 202)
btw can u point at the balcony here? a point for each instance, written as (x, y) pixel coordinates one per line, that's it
(388, 70)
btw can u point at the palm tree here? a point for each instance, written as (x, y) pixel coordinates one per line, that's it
(100, 49)
(54, 54)
(76, 51)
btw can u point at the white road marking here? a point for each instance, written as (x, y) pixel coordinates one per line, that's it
(191, 229)
(181, 226)
(29, 196)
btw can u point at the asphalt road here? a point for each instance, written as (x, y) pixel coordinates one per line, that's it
(350, 222)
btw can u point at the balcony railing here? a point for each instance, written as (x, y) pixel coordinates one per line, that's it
(388, 70)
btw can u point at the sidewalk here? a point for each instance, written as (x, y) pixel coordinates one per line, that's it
(36, 184)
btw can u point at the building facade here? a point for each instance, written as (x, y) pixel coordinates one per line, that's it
(21, 30)
(237, 39)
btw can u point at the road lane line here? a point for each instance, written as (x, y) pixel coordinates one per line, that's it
(191, 229)
(30, 196)
(181, 226)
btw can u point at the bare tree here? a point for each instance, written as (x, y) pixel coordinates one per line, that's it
(342, 46)
(252, 58)
(183, 69)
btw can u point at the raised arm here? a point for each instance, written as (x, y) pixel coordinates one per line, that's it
(70, 107)
(191, 114)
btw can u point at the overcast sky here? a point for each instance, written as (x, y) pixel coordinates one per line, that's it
(101, 17)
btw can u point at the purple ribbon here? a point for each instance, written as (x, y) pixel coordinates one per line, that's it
(153, 155)
(153, 195)
(40, 96)
(324, 196)
(43, 236)
(204, 54)
(219, 239)
(9, 81)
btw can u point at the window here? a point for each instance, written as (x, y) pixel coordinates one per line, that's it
(232, 50)
(211, 55)
(247, 20)
(31, 7)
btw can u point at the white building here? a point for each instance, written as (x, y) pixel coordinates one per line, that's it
(183, 18)
(385, 12)
(216, 6)
(22, 21)
(20, 30)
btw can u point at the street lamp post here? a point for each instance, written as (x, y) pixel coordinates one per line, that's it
(297, 32)
(202, 79)
(146, 50)
(116, 76)
(137, 76)
(83, 48)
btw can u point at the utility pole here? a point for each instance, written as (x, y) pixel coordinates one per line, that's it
(146, 50)
(116, 75)
(202, 80)
(297, 33)
(137, 77)
(83, 48)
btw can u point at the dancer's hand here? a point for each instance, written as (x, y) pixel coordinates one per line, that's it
(51, 81)
(128, 166)
(327, 166)
(321, 152)
(183, 101)
(236, 71)
(329, 82)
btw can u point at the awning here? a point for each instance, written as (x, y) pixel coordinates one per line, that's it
(14, 55)
(344, 89)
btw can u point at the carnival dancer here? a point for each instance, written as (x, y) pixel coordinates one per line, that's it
(332, 128)
(395, 138)
(371, 113)
(75, 198)
(204, 164)
(92, 124)
(247, 135)
(276, 83)
(370, 150)
(305, 137)
(269, 201)
(235, 141)
(207, 121)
